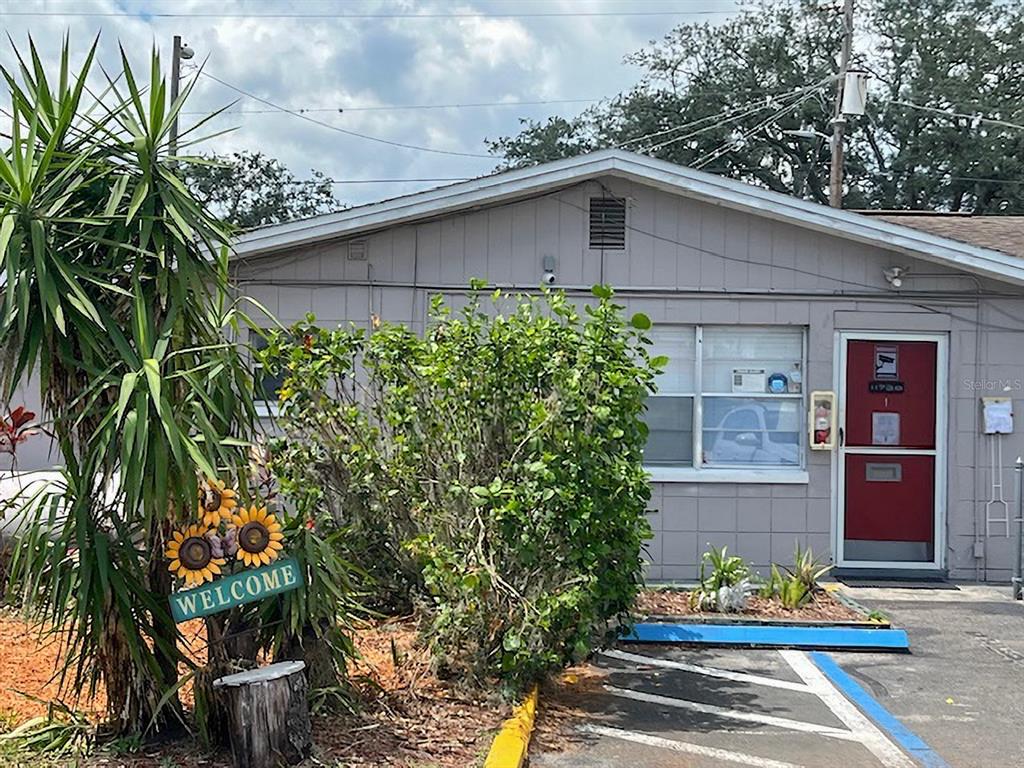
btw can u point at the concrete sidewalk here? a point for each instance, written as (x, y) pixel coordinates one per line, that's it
(962, 687)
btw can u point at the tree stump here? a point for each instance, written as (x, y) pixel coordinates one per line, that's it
(269, 715)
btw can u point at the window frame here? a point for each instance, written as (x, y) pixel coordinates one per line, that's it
(265, 408)
(698, 470)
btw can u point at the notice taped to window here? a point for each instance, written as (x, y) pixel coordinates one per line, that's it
(885, 428)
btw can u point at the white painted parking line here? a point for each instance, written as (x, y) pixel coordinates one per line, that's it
(734, 714)
(698, 669)
(724, 755)
(866, 732)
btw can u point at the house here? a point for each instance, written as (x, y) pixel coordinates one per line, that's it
(827, 368)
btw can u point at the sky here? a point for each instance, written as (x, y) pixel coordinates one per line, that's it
(368, 58)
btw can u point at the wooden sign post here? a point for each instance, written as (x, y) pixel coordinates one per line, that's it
(238, 589)
(269, 715)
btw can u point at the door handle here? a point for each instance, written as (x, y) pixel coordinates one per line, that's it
(842, 438)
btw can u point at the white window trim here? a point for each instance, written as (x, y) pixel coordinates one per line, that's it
(667, 474)
(265, 409)
(696, 473)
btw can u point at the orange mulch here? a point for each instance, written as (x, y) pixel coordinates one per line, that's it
(676, 602)
(28, 663)
(404, 715)
(408, 716)
(562, 707)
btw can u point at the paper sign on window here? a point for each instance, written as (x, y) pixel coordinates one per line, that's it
(885, 428)
(998, 415)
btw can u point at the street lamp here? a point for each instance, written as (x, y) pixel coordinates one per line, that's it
(807, 133)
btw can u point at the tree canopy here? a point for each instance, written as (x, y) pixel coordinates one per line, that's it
(722, 97)
(249, 189)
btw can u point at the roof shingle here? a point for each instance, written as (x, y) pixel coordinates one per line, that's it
(1000, 233)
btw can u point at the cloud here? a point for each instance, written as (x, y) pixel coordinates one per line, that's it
(348, 62)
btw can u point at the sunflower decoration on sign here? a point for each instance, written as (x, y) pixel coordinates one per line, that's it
(216, 502)
(194, 557)
(259, 536)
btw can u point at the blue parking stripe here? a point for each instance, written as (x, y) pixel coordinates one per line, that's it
(753, 635)
(897, 731)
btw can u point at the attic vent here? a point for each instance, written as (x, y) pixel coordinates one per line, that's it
(357, 250)
(608, 223)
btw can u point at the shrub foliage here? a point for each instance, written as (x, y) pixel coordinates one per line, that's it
(489, 469)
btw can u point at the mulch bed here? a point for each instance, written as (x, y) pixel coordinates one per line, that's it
(676, 602)
(409, 717)
(405, 715)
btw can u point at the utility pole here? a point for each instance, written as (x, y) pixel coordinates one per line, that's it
(180, 52)
(835, 186)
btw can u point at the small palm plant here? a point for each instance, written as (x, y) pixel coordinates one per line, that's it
(115, 295)
(795, 585)
(728, 585)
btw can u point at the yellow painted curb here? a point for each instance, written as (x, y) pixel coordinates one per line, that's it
(508, 750)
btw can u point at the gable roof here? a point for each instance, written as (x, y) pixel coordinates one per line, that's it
(716, 190)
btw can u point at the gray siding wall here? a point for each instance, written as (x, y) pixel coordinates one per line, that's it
(691, 262)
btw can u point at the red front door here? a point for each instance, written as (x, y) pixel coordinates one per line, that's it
(888, 451)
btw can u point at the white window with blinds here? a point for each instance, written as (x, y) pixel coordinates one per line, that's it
(731, 400)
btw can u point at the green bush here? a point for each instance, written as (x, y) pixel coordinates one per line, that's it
(494, 463)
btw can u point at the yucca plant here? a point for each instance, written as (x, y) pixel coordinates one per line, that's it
(115, 296)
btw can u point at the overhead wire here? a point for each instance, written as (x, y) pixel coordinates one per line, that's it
(405, 107)
(948, 113)
(726, 115)
(728, 145)
(374, 16)
(346, 131)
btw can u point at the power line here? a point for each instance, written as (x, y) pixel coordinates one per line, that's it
(142, 14)
(345, 131)
(728, 145)
(482, 104)
(966, 115)
(402, 107)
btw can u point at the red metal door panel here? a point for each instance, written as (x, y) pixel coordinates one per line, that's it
(868, 394)
(888, 451)
(880, 508)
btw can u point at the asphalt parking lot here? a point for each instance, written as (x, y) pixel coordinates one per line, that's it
(957, 700)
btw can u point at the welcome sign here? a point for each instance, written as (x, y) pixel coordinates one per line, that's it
(239, 589)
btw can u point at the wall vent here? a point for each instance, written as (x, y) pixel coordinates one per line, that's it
(357, 250)
(608, 223)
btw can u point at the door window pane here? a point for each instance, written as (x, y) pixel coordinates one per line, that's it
(752, 431)
(670, 424)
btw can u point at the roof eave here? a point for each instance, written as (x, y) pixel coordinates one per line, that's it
(716, 190)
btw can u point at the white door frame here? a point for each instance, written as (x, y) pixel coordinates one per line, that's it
(842, 338)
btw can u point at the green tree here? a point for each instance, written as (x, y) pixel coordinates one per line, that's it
(721, 97)
(249, 189)
(115, 294)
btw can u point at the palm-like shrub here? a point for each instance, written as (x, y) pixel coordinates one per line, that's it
(115, 296)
